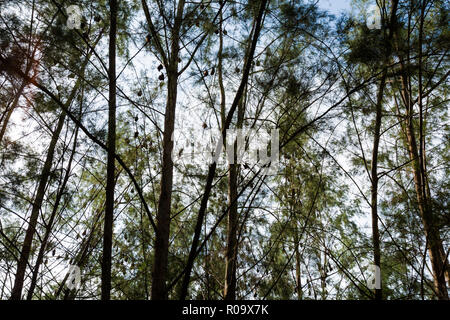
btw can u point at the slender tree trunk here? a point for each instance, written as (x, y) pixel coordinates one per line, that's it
(298, 279)
(323, 276)
(374, 186)
(212, 167)
(9, 112)
(80, 259)
(16, 293)
(49, 225)
(220, 69)
(422, 158)
(431, 231)
(110, 170)
(435, 247)
(229, 291)
(61, 190)
(375, 149)
(165, 199)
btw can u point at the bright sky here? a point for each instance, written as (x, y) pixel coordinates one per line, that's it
(335, 6)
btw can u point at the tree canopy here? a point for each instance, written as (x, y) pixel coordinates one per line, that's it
(217, 149)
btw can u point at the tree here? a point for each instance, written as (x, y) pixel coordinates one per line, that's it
(110, 171)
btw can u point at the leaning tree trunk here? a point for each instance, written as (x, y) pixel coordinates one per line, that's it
(212, 168)
(51, 221)
(431, 231)
(16, 293)
(422, 157)
(15, 102)
(11, 109)
(435, 247)
(62, 188)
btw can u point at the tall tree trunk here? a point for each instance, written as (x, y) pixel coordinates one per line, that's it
(374, 186)
(229, 291)
(220, 69)
(422, 157)
(165, 199)
(431, 231)
(16, 293)
(376, 143)
(49, 225)
(435, 246)
(323, 268)
(110, 170)
(298, 256)
(298, 279)
(212, 167)
(80, 259)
